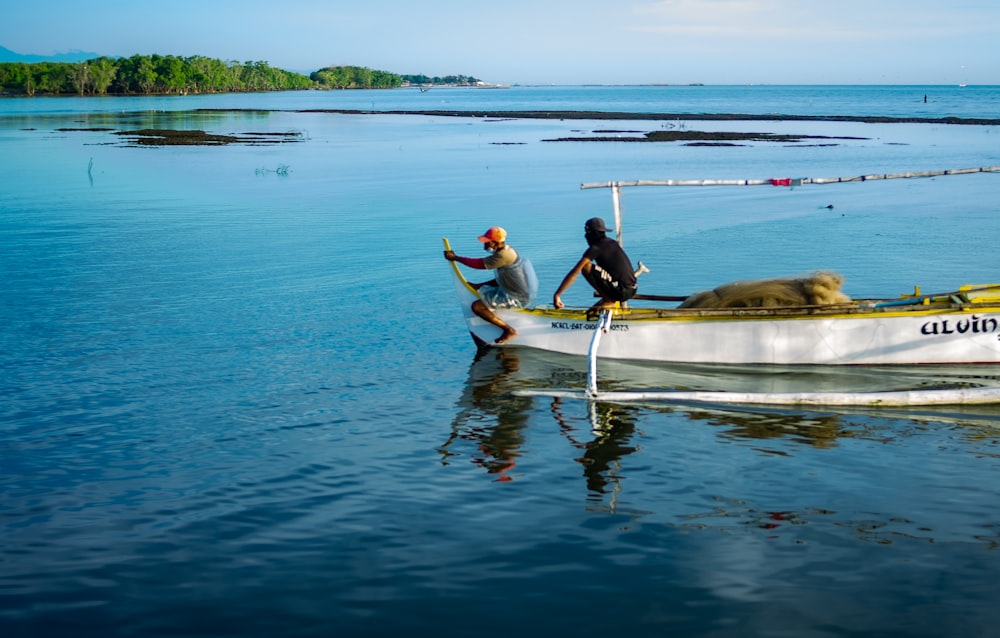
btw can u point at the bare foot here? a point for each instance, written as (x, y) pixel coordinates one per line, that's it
(507, 335)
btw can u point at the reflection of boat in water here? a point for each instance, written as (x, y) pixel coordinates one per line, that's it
(496, 372)
(646, 382)
(494, 422)
(954, 328)
(499, 377)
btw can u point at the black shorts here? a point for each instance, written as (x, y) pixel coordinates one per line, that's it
(608, 287)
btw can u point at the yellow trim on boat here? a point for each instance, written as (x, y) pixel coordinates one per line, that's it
(984, 293)
(757, 314)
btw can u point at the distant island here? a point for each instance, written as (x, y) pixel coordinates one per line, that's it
(6, 55)
(174, 75)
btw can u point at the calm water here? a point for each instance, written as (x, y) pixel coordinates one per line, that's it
(239, 399)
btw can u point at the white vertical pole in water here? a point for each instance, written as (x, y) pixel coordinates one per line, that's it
(616, 200)
(603, 325)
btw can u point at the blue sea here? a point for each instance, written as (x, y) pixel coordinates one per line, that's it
(239, 398)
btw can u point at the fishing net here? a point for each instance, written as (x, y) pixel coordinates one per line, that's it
(821, 288)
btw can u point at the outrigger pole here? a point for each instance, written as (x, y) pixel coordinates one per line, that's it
(890, 399)
(781, 181)
(616, 186)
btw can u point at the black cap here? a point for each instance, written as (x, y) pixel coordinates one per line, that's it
(595, 224)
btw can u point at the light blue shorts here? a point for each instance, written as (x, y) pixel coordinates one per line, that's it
(497, 297)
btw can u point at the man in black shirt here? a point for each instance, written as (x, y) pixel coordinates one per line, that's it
(604, 265)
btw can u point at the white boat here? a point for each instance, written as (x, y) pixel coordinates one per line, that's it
(957, 327)
(962, 327)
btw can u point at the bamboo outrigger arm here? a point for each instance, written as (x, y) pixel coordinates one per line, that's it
(788, 181)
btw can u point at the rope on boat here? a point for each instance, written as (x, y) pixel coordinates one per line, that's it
(790, 181)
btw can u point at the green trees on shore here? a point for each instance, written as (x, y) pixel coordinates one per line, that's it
(145, 74)
(355, 77)
(169, 74)
(456, 80)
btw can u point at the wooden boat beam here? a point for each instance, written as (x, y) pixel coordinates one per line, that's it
(782, 181)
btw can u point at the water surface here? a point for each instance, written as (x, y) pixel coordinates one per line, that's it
(239, 398)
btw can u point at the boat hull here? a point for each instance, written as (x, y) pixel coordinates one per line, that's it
(948, 333)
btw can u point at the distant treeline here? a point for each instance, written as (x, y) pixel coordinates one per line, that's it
(355, 77)
(169, 74)
(448, 79)
(145, 74)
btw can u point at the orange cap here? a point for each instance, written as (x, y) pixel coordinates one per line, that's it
(494, 234)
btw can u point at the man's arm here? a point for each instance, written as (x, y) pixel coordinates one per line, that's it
(471, 262)
(568, 281)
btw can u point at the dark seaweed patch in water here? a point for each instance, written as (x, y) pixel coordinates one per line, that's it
(713, 144)
(171, 137)
(619, 115)
(699, 138)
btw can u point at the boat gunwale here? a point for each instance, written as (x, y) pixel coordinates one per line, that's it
(860, 309)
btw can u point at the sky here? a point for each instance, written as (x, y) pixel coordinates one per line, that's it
(545, 41)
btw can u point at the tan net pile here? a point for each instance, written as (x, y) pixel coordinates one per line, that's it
(821, 288)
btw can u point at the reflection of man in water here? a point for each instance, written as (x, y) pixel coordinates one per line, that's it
(493, 420)
(612, 427)
(486, 398)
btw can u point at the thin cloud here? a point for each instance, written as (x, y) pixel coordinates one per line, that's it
(803, 20)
